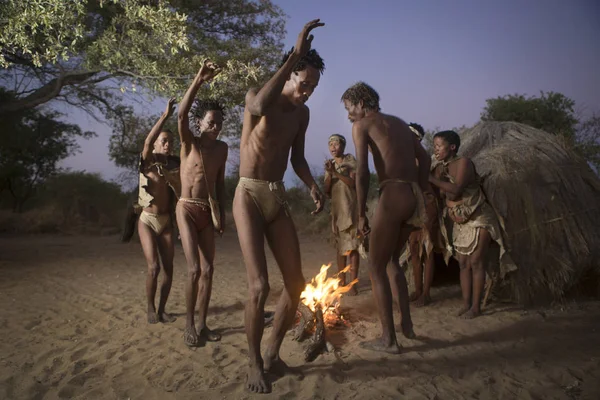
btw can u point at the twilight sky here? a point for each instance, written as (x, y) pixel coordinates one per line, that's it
(432, 61)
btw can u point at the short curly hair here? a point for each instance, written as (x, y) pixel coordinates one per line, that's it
(311, 58)
(361, 91)
(418, 129)
(449, 136)
(201, 107)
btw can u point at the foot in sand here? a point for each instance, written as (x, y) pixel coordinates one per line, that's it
(408, 332)
(470, 314)
(463, 310)
(276, 366)
(422, 301)
(379, 345)
(166, 318)
(210, 336)
(256, 381)
(190, 338)
(152, 317)
(414, 296)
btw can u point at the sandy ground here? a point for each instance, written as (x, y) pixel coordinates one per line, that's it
(73, 325)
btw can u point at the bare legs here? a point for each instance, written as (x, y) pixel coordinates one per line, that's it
(472, 277)
(155, 246)
(421, 296)
(387, 232)
(353, 259)
(199, 250)
(283, 241)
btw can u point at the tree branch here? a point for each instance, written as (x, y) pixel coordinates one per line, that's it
(46, 92)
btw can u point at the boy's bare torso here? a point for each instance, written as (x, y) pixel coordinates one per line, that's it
(193, 182)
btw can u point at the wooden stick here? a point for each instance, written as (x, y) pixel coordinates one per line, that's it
(318, 342)
(307, 319)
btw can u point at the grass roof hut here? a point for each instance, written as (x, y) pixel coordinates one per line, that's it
(548, 200)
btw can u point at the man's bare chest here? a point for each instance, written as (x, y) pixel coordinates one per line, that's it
(200, 159)
(279, 126)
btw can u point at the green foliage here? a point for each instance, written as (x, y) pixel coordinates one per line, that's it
(72, 202)
(80, 51)
(32, 143)
(551, 112)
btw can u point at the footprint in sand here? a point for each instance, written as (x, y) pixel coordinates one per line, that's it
(32, 324)
(218, 355)
(79, 366)
(109, 354)
(77, 380)
(67, 392)
(78, 354)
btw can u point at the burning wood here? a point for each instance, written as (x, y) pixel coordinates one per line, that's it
(319, 304)
(317, 344)
(306, 323)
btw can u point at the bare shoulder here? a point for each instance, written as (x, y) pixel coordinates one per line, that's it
(304, 113)
(221, 146)
(251, 93)
(361, 127)
(462, 163)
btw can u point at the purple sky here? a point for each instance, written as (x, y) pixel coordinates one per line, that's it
(434, 62)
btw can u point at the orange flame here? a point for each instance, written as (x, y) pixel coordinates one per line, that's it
(324, 291)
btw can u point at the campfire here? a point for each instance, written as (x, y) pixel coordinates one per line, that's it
(318, 308)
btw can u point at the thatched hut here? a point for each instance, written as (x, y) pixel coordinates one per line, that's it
(548, 200)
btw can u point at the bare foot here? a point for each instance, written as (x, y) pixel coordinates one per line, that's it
(210, 336)
(463, 310)
(378, 345)
(256, 382)
(422, 301)
(190, 338)
(152, 317)
(414, 296)
(471, 314)
(408, 332)
(166, 318)
(276, 366)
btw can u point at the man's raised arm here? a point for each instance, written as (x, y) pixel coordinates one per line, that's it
(208, 71)
(156, 129)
